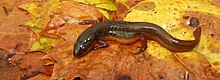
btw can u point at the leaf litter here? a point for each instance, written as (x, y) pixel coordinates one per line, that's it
(54, 28)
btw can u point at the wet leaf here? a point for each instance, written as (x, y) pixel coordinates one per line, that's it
(119, 61)
(40, 76)
(40, 19)
(105, 13)
(39, 14)
(105, 4)
(9, 71)
(31, 8)
(61, 78)
(32, 64)
(166, 14)
(43, 44)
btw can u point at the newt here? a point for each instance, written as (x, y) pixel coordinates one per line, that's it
(128, 33)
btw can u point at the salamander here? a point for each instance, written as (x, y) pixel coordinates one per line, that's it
(128, 33)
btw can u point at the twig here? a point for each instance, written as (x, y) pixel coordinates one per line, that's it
(184, 64)
(5, 10)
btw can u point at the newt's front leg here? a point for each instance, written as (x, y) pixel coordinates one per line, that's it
(102, 45)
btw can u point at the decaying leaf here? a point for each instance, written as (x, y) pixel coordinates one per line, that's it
(40, 16)
(11, 72)
(69, 13)
(122, 10)
(32, 64)
(55, 28)
(102, 4)
(44, 44)
(105, 4)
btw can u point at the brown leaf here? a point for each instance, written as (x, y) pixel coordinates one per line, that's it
(146, 6)
(32, 64)
(40, 77)
(119, 62)
(216, 2)
(70, 13)
(210, 29)
(8, 71)
(133, 2)
(15, 38)
(122, 10)
(12, 34)
(6, 9)
(111, 63)
(198, 65)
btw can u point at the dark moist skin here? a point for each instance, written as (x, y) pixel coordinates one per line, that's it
(128, 33)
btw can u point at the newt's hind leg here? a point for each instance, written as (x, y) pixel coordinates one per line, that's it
(87, 22)
(102, 45)
(143, 47)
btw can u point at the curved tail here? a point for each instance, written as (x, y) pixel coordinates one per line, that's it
(177, 45)
(188, 45)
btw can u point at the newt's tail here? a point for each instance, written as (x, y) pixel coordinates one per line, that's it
(197, 34)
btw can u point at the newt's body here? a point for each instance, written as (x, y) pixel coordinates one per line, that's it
(128, 33)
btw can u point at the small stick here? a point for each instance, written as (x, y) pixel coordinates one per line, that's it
(5, 10)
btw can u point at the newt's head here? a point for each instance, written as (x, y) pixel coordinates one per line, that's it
(83, 45)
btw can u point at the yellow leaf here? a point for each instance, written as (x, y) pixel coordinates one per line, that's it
(61, 78)
(40, 16)
(49, 62)
(36, 46)
(105, 13)
(40, 19)
(203, 48)
(105, 4)
(44, 44)
(30, 7)
(166, 12)
(214, 59)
